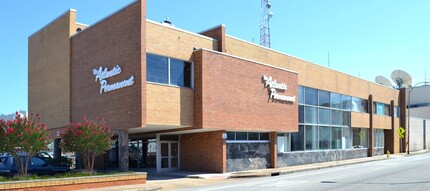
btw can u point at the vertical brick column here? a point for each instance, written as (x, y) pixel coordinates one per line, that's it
(389, 135)
(273, 151)
(402, 107)
(123, 150)
(370, 149)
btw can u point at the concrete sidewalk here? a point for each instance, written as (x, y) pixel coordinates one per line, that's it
(183, 180)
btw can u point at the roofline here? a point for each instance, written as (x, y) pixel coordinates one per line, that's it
(245, 59)
(56, 18)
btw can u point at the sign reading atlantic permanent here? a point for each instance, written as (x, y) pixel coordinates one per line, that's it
(274, 89)
(102, 74)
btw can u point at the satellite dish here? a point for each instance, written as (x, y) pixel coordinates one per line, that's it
(401, 78)
(383, 81)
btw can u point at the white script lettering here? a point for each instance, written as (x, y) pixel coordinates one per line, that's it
(274, 86)
(102, 74)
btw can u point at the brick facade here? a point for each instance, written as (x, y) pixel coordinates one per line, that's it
(203, 152)
(230, 94)
(117, 40)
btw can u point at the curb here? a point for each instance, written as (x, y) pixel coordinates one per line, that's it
(282, 172)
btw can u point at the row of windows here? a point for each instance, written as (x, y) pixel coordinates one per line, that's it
(170, 71)
(323, 116)
(312, 137)
(247, 136)
(321, 98)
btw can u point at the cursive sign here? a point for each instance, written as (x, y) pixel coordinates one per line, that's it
(102, 74)
(274, 86)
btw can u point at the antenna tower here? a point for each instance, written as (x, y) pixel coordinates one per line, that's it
(265, 16)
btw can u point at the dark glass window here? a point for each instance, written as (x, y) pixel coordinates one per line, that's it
(180, 73)
(157, 69)
(301, 114)
(252, 136)
(364, 106)
(243, 136)
(297, 140)
(230, 135)
(324, 98)
(311, 96)
(387, 110)
(346, 118)
(336, 134)
(324, 138)
(264, 136)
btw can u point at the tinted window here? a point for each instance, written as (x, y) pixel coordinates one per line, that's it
(311, 96)
(310, 115)
(301, 98)
(336, 134)
(336, 117)
(311, 133)
(156, 69)
(346, 102)
(180, 73)
(324, 138)
(324, 116)
(297, 140)
(241, 136)
(335, 100)
(324, 98)
(264, 136)
(364, 106)
(301, 114)
(252, 136)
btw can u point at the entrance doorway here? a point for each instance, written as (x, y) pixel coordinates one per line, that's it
(169, 155)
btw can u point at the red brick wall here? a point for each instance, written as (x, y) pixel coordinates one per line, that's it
(230, 95)
(205, 152)
(219, 34)
(83, 185)
(117, 40)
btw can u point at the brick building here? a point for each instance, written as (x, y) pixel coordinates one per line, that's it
(177, 100)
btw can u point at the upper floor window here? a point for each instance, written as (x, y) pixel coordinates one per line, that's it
(170, 71)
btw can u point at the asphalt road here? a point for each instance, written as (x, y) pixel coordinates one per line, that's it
(405, 173)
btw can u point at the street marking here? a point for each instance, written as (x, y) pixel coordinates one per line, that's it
(287, 183)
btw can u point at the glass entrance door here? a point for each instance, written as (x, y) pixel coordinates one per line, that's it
(169, 152)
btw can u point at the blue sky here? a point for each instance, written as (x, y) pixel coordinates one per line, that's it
(365, 38)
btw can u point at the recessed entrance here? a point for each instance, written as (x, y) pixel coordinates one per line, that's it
(168, 153)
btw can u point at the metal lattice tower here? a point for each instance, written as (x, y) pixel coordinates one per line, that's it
(265, 16)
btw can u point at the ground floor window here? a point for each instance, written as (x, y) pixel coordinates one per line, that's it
(378, 140)
(313, 137)
(360, 137)
(247, 136)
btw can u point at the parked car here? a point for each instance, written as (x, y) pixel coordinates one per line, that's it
(36, 166)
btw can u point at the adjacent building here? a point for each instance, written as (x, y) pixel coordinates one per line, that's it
(208, 101)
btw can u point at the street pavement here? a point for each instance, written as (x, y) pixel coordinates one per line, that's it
(371, 173)
(402, 173)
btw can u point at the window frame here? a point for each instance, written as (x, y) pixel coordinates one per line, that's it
(169, 72)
